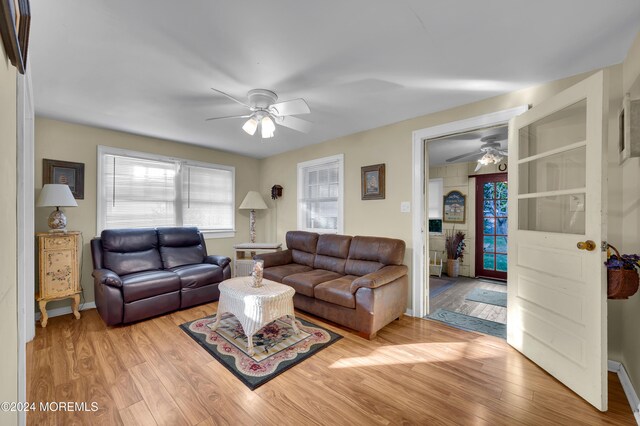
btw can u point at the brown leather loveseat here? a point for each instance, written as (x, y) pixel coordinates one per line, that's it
(141, 273)
(357, 282)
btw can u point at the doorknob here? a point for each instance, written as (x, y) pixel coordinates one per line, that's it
(587, 245)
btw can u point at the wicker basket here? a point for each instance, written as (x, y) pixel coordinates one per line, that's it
(621, 283)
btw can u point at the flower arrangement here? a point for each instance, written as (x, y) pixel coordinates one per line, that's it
(454, 244)
(622, 274)
(625, 261)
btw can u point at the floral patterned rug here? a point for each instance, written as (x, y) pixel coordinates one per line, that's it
(277, 348)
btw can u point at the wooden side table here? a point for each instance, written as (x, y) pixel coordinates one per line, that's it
(59, 264)
(243, 263)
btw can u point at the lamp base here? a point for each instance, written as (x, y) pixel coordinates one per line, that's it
(57, 221)
(252, 226)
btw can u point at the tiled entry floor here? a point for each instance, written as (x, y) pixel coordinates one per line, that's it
(453, 299)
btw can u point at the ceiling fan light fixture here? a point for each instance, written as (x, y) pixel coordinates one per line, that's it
(268, 127)
(251, 126)
(489, 158)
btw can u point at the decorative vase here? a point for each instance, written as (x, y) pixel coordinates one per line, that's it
(453, 267)
(256, 275)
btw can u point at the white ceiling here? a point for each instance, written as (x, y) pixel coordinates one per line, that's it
(464, 143)
(146, 66)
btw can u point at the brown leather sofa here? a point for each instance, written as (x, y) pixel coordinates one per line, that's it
(141, 273)
(357, 282)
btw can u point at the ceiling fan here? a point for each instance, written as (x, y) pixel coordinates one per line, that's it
(490, 152)
(266, 113)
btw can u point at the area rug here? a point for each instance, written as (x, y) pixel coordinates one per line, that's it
(490, 297)
(467, 322)
(277, 348)
(439, 285)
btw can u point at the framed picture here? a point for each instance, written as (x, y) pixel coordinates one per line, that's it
(64, 172)
(454, 207)
(15, 22)
(372, 182)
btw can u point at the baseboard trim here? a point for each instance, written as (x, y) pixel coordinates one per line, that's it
(409, 312)
(65, 310)
(629, 391)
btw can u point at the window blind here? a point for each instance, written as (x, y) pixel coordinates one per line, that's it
(320, 196)
(141, 190)
(138, 193)
(207, 200)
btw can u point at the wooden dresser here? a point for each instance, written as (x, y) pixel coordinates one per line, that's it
(59, 260)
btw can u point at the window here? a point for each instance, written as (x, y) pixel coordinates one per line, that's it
(140, 190)
(436, 192)
(320, 194)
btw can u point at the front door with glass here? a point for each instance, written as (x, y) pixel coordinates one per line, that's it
(491, 226)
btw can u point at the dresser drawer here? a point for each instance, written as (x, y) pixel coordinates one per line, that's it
(57, 243)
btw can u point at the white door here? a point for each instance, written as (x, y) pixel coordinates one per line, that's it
(557, 280)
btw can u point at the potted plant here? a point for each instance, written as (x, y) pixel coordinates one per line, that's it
(622, 274)
(454, 244)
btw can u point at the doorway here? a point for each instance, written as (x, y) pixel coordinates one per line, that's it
(468, 200)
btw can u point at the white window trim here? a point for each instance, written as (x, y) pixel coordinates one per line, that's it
(300, 178)
(107, 150)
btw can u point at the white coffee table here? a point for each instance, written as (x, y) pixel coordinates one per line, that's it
(255, 307)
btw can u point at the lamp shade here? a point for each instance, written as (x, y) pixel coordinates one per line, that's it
(253, 201)
(56, 195)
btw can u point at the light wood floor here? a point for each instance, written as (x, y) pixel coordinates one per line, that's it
(453, 299)
(415, 372)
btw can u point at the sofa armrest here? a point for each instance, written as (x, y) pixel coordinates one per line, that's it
(277, 258)
(107, 277)
(221, 261)
(380, 277)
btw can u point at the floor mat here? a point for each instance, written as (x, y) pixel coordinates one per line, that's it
(439, 285)
(467, 322)
(490, 297)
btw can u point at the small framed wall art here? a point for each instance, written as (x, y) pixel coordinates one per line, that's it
(454, 207)
(64, 172)
(372, 182)
(15, 22)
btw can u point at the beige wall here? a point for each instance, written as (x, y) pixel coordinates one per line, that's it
(630, 316)
(8, 243)
(455, 177)
(72, 142)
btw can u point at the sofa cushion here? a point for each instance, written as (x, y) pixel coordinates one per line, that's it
(368, 254)
(194, 276)
(332, 252)
(180, 246)
(126, 251)
(337, 291)
(304, 282)
(277, 273)
(141, 285)
(303, 246)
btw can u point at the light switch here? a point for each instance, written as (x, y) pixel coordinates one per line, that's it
(405, 207)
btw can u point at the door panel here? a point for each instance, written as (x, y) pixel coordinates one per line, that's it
(491, 226)
(556, 292)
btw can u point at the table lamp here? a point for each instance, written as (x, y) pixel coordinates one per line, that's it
(253, 201)
(56, 195)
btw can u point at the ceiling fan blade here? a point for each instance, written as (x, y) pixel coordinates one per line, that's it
(231, 97)
(227, 117)
(292, 107)
(294, 123)
(467, 155)
(501, 152)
